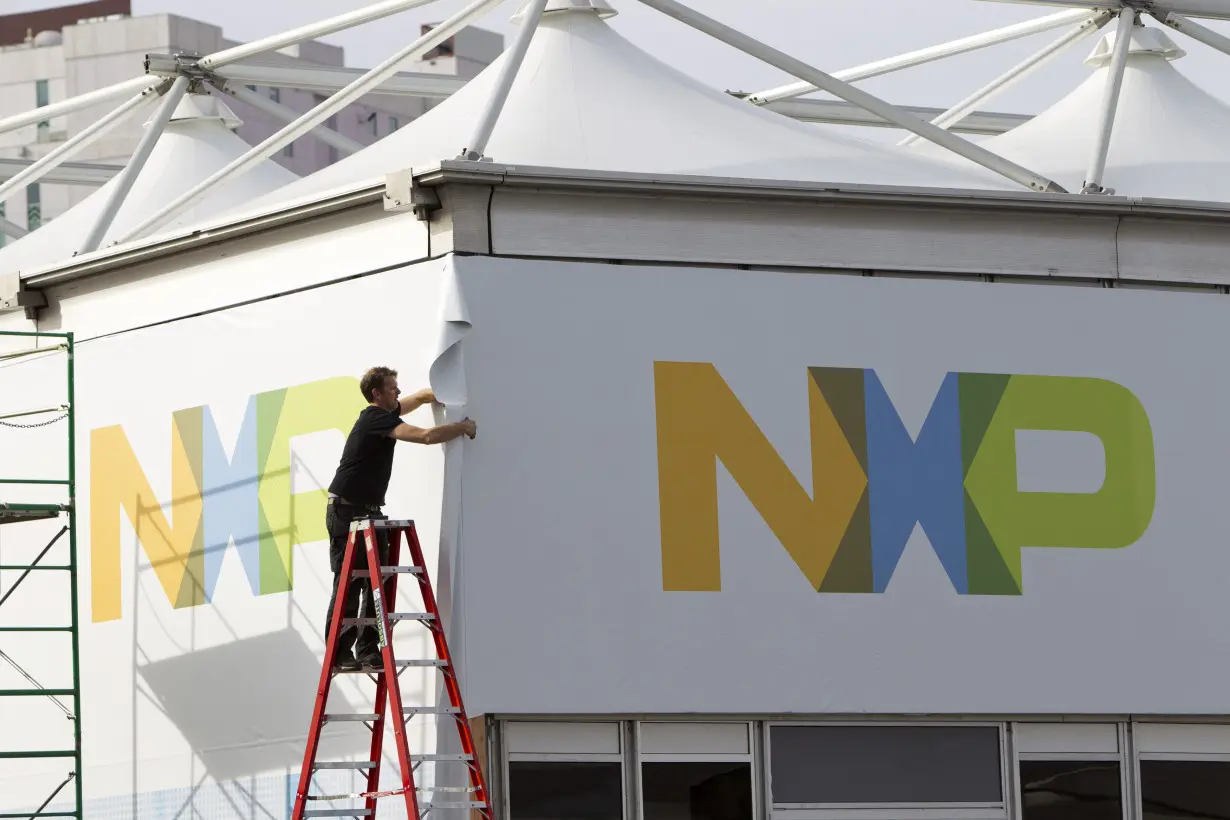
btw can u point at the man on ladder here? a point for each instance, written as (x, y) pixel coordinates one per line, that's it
(358, 488)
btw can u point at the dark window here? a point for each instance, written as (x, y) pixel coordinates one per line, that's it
(565, 791)
(1070, 790)
(697, 791)
(886, 764)
(1185, 789)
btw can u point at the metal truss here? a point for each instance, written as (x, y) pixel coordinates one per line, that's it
(232, 69)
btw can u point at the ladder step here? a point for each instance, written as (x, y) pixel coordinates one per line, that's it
(346, 764)
(430, 710)
(353, 718)
(465, 789)
(447, 758)
(363, 573)
(337, 812)
(430, 663)
(393, 616)
(467, 805)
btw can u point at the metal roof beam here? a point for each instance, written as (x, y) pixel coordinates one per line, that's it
(94, 131)
(1208, 9)
(1203, 34)
(311, 31)
(316, 116)
(930, 54)
(284, 113)
(329, 79)
(797, 68)
(839, 112)
(68, 173)
(11, 229)
(1110, 104)
(1017, 73)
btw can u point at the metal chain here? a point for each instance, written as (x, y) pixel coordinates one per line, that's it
(32, 425)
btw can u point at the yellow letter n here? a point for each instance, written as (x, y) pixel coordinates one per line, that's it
(117, 481)
(701, 421)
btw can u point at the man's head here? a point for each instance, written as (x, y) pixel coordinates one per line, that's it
(379, 386)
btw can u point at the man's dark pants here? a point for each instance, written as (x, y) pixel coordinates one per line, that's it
(338, 517)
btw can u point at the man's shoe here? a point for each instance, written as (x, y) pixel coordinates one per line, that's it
(372, 658)
(347, 663)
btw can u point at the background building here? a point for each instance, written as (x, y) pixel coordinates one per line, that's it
(51, 55)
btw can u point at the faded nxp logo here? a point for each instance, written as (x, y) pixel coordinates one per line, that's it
(246, 497)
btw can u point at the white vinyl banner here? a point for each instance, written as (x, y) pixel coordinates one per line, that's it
(204, 447)
(724, 491)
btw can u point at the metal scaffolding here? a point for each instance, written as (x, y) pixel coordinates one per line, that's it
(67, 699)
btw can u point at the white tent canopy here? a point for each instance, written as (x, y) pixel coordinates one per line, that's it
(197, 142)
(587, 98)
(1170, 137)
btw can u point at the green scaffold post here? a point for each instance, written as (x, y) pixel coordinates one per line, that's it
(18, 348)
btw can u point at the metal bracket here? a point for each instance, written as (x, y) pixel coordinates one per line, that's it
(13, 296)
(181, 64)
(402, 193)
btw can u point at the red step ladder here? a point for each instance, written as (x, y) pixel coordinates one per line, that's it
(388, 691)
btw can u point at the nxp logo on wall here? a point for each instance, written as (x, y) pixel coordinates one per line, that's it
(872, 482)
(246, 497)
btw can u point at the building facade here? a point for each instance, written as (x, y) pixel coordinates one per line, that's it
(93, 45)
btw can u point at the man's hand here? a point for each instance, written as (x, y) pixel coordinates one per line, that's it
(469, 427)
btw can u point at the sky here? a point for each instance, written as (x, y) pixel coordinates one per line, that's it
(829, 34)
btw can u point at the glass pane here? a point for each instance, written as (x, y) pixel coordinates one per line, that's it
(697, 791)
(886, 764)
(565, 791)
(1184, 789)
(1072, 790)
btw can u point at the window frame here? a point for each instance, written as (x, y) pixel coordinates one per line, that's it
(508, 757)
(1129, 786)
(886, 810)
(752, 757)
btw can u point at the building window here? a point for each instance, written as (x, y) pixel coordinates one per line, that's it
(885, 765)
(545, 790)
(42, 97)
(393, 124)
(275, 94)
(701, 770)
(561, 771)
(289, 150)
(34, 206)
(1071, 790)
(373, 122)
(1184, 789)
(3, 236)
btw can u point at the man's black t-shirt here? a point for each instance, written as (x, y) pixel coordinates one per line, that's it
(367, 460)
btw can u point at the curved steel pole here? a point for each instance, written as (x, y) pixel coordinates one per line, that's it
(503, 86)
(868, 102)
(1019, 72)
(1110, 103)
(930, 54)
(319, 29)
(132, 170)
(1203, 34)
(77, 103)
(89, 134)
(317, 115)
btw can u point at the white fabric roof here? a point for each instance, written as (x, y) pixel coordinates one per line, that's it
(197, 142)
(586, 98)
(1171, 138)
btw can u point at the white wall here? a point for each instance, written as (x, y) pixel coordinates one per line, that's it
(219, 693)
(561, 523)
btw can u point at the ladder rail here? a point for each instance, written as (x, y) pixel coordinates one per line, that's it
(389, 677)
(451, 684)
(326, 680)
(382, 572)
